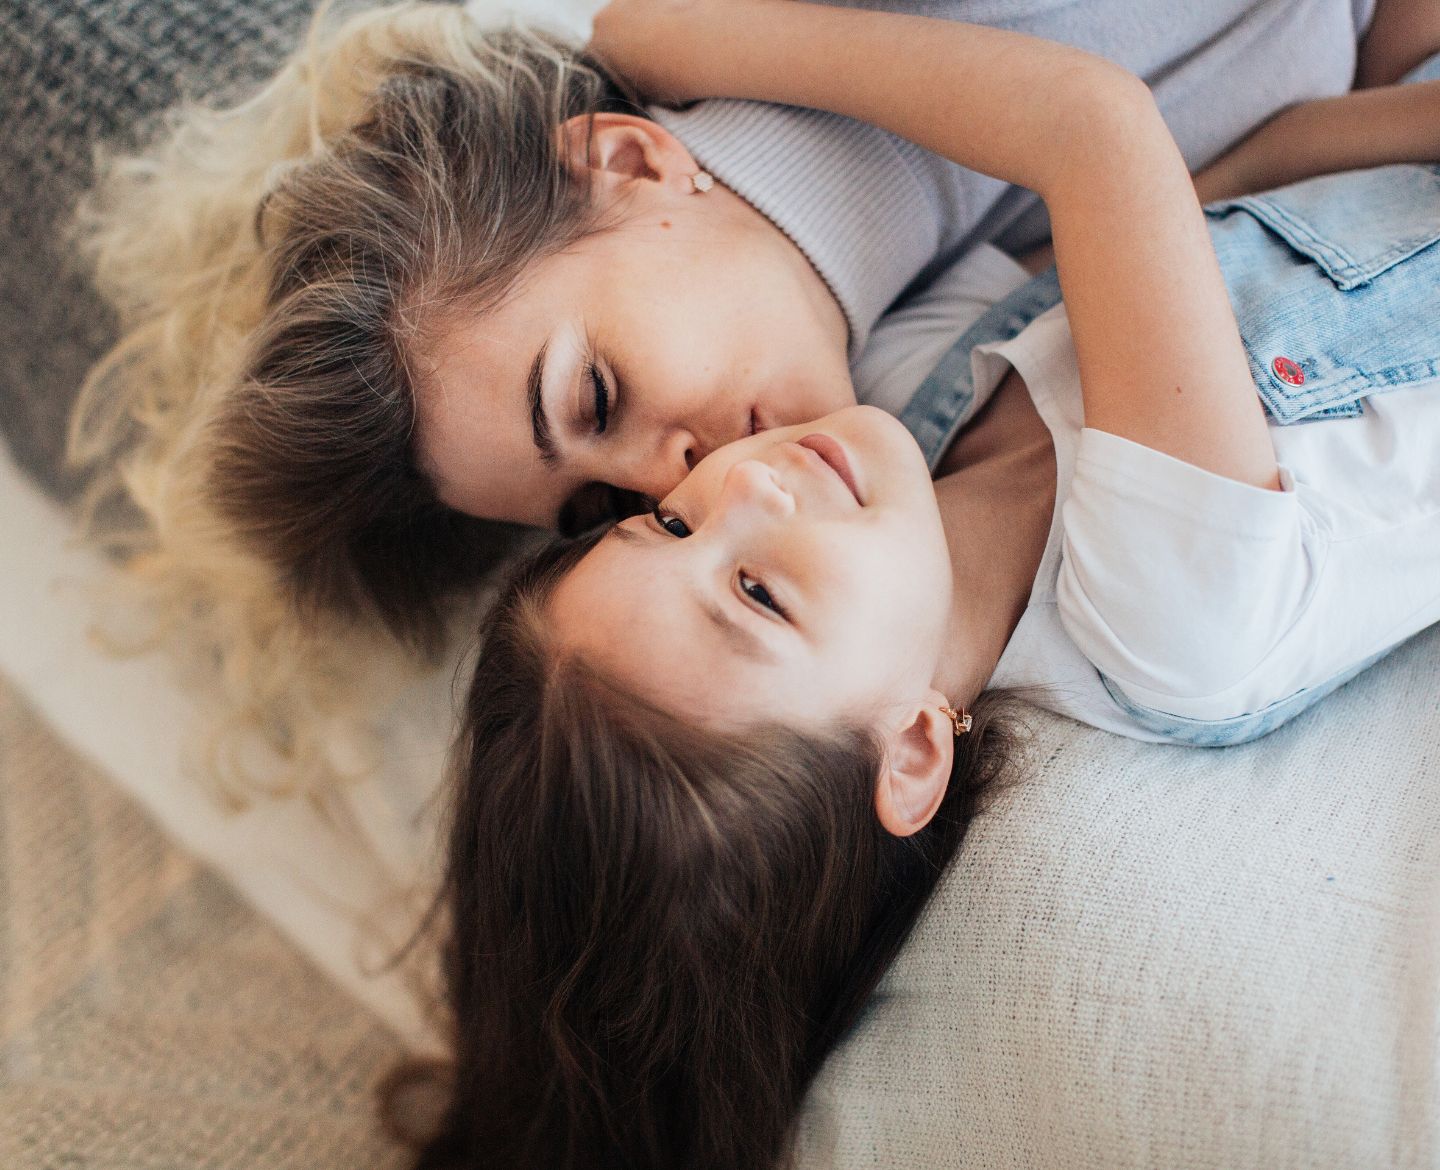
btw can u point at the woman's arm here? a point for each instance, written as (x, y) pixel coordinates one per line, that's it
(1364, 128)
(1160, 356)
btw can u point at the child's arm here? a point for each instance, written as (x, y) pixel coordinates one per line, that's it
(1160, 356)
(1378, 123)
(1402, 34)
(1364, 128)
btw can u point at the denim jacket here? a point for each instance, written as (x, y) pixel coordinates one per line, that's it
(1334, 284)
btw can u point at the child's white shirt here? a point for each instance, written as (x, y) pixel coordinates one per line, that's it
(1193, 594)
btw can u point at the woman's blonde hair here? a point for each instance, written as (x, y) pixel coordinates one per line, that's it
(273, 266)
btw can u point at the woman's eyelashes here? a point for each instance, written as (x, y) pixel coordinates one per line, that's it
(603, 407)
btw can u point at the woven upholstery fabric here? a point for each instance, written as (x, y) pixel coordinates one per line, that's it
(148, 1018)
(75, 73)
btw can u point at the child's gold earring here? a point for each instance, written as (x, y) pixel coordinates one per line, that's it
(701, 181)
(961, 719)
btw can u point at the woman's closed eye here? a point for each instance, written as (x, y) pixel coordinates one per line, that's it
(603, 405)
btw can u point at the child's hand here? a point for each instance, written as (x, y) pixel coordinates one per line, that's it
(674, 50)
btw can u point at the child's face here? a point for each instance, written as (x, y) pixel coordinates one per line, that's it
(681, 606)
(702, 329)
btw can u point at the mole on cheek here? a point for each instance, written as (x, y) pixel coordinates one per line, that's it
(665, 223)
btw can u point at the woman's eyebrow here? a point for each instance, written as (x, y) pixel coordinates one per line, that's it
(539, 421)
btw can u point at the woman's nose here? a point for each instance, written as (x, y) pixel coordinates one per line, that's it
(680, 450)
(652, 466)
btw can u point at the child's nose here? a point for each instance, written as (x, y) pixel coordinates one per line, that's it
(754, 486)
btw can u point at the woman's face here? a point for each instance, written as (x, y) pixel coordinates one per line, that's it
(627, 358)
(799, 576)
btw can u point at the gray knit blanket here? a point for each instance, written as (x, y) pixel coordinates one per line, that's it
(74, 74)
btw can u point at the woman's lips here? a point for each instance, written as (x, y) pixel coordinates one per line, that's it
(834, 455)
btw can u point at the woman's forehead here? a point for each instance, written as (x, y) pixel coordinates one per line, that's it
(477, 383)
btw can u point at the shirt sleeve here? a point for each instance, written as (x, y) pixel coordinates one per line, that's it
(1179, 584)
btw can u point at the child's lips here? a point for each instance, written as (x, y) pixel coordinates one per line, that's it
(834, 455)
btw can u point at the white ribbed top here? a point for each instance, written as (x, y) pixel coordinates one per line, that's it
(874, 213)
(845, 193)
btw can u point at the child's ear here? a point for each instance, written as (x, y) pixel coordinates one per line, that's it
(620, 148)
(919, 750)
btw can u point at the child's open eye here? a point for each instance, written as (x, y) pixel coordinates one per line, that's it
(757, 593)
(671, 523)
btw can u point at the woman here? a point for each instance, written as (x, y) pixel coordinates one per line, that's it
(653, 952)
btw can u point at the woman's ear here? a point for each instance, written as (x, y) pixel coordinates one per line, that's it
(919, 751)
(621, 148)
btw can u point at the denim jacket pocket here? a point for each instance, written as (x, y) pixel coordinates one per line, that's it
(1334, 283)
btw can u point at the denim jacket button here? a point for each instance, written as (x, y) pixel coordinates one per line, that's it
(1288, 371)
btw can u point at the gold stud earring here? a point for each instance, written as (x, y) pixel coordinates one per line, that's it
(701, 181)
(961, 719)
